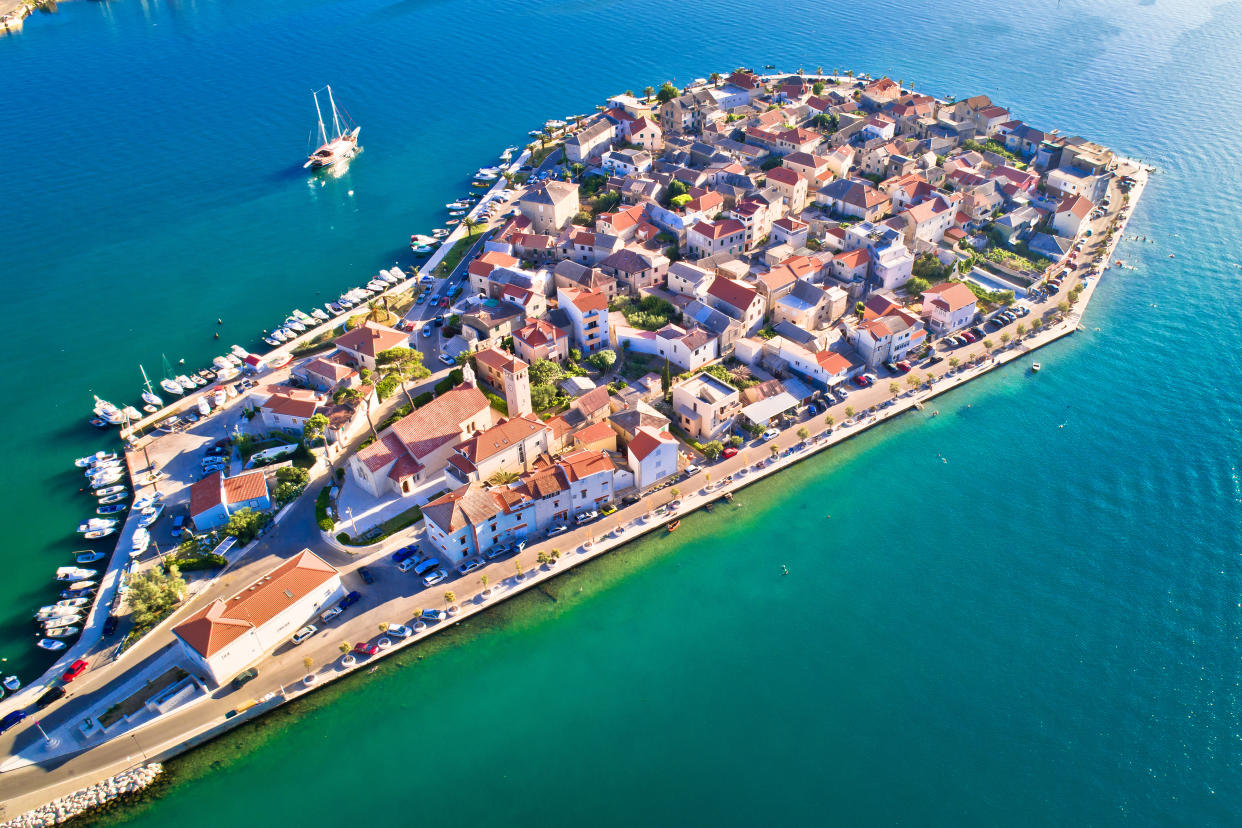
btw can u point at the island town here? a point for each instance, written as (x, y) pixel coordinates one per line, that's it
(647, 309)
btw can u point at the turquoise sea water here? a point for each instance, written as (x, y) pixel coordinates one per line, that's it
(1042, 630)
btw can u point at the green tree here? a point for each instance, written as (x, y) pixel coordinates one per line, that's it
(859, 310)
(405, 364)
(544, 372)
(1005, 338)
(1036, 323)
(245, 524)
(817, 87)
(291, 481)
(354, 395)
(804, 432)
(1063, 306)
(988, 344)
(666, 379)
(542, 397)
(386, 387)
(912, 380)
(954, 362)
(1021, 329)
(648, 91)
(774, 450)
(915, 286)
(736, 441)
(153, 594)
(712, 449)
(603, 360)
(667, 93)
(894, 388)
(450, 597)
(315, 428)
(828, 421)
(849, 411)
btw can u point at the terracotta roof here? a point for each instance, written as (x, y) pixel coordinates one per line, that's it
(538, 333)
(489, 261)
(592, 401)
(499, 360)
(705, 202)
(220, 623)
(387, 449)
(594, 432)
(423, 431)
(290, 406)
(206, 494)
(718, 229)
(586, 301)
(370, 339)
(471, 504)
(732, 293)
(1077, 205)
(479, 447)
(852, 258)
(783, 175)
(246, 486)
(952, 296)
(544, 482)
(329, 368)
(832, 362)
(788, 224)
(647, 441)
(582, 464)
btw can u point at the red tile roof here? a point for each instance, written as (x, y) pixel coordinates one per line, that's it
(732, 293)
(951, 296)
(370, 339)
(647, 441)
(718, 229)
(246, 486)
(218, 624)
(783, 175)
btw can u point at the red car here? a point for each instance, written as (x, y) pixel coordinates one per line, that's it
(76, 669)
(366, 648)
(729, 452)
(444, 302)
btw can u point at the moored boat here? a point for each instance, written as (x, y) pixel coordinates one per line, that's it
(73, 573)
(142, 539)
(109, 491)
(341, 146)
(51, 644)
(86, 556)
(96, 534)
(674, 524)
(110, 508)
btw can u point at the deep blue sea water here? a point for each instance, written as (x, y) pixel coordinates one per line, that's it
(1042, 630)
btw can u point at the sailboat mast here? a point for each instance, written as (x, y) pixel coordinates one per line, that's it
(336, 123)
(145, 380)
(322, 132)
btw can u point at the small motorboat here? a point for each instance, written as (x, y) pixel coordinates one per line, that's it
(86, 556)
(674, 524)
(296, 324)
(103, 468)
(319, 314)
(1035, 366)
(96, 523)
(452, 222)
(439, 233)
(333, 308)
(108, 491)
(51, 644)
(77, 593)
(185, 382)
(297, 314)
(61, 632)
(97, 422)
(96, 534)
(278, 360)
(239, 352)
(200, 380)
(147, 501)
(221, 362)
(270, 341)
(12, 683)
(76, 586)
(73, 603)
(172, 387)
(111, 508)
(95, 459)
(456, 205)
(150, 516)
(51, 611)
(150, 409)
(204, 407)
(106, 480)
(142, 539)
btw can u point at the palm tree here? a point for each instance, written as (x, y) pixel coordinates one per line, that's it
(375, 311)
(353, 394)
(648, 91)
(469, 224)
(715, 78)
(483, 581)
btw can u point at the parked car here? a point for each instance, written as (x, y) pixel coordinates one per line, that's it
(608, 508)
(11, 719)
(469, 565)
(435, 578)
(692, 470)
(366, 648)
(444, 302)
(178, 525)
(365, 574)
(770, 434)
(398, 631)
(631, 499)
(422, 297)
(349, 600)
(433, 615)
(499, 550)
(586, 517)
(405, 553)
(53, 694)
(244, 677)
(109, 627)
(407, 564)
(303, 634)
(330, 613)
(729, 452)
(76, 669)
(426, 565)
(446, 359)
(904, 367)
(558, 529)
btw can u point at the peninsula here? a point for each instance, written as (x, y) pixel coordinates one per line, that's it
(647, 309)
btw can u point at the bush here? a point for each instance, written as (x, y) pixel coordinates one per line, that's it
(603, 360)
(423, 398)
(245, 524)
(321, 509)
(192, 562)
(649, 314)
(497, 402)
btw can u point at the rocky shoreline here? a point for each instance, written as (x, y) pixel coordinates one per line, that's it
(79, 802)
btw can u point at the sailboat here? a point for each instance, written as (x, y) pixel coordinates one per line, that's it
(168, 383)
(343, 143)
(148, 396)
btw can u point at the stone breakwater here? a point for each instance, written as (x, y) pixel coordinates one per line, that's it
(79, 802)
